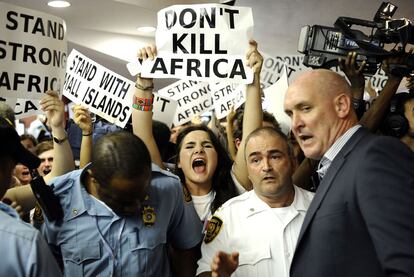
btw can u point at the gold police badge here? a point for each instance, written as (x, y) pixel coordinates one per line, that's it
(148, 216)
(213, 229)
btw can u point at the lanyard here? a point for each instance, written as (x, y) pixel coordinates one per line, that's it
(112, 251)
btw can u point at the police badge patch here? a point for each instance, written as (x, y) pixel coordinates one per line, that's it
(148, 216)
(213, 229)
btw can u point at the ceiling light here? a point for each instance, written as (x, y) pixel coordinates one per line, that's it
(58, 4)
(146, 29)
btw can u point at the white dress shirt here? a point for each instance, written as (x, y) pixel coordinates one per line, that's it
(264, 237)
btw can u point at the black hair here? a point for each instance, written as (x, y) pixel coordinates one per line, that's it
(222, 183)
(119, 153)
(162, 133)
(268, 117)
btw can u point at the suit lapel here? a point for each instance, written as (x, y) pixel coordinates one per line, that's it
(328, 179)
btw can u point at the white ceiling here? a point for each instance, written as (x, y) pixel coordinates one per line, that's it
(105, 30)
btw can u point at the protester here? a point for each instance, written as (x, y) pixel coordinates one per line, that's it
(44, 151)
(22, 173)
(202, 163)
(25, 252)
(360, 221)
(29, 142)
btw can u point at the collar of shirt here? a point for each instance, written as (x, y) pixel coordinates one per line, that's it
(257, 205)
(9, 210)
(336, 147)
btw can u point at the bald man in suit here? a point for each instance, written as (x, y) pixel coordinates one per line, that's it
(361, 220)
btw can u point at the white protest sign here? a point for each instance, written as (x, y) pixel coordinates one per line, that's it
(273, 66)
(227, 95)
(274, 100)
(33, 52)
(27, 107)
(193, 98)
(106, 93)
(164, 109)
(378, 80)
(206, 42)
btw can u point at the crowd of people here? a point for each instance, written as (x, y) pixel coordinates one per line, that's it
(334, 197)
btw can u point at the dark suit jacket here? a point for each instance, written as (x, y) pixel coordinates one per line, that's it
(361, 220)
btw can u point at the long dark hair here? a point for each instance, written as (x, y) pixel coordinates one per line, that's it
(222, 183)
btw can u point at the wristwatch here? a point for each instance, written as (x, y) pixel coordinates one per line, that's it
(60, 141)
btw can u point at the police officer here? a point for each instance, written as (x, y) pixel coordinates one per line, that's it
(25, 252)
(255, 233)
(121, 213)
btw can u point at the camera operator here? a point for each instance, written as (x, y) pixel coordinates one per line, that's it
(399, 122)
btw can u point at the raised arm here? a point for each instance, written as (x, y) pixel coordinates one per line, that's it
(253, 114)
(142, 108)
(83, 119)
(356, 77)
(63, 161)
(229, 131)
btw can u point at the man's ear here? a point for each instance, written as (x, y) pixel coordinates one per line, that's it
(342, 105)
(237, 142)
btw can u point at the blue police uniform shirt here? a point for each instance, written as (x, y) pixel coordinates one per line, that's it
(94, 241)
(24, 251)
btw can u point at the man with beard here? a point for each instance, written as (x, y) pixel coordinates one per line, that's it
(261, 226)
(120, 215)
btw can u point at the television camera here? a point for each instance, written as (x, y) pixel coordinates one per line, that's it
(323, 45)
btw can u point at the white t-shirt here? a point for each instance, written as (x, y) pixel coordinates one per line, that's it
(202, 205)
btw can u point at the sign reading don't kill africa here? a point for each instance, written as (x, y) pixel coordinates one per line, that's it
(202, 42)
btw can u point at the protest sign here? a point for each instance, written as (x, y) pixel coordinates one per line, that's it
(202, 42)
(193, 98)
(273, 66)
(164, 109)
(106, 93)
(274, 101)
(33, 52)
(225, 96)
